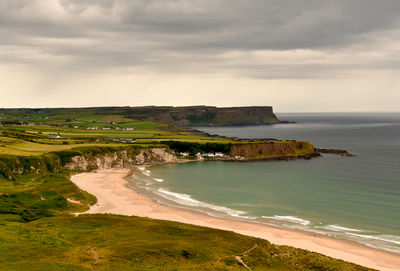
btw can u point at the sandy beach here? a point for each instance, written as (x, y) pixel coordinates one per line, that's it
(115, 197)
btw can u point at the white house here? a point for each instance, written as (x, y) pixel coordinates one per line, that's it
(55, 136)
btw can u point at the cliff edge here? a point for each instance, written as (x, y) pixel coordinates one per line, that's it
(209, 115)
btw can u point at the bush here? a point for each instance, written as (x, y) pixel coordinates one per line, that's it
(192, 147)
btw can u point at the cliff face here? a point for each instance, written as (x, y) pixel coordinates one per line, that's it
(284, 149)
(55, 163)
(245, 116)
(128, 157)
(120, 159)
(206, 115)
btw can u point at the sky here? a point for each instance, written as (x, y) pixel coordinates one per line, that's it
(297, 56)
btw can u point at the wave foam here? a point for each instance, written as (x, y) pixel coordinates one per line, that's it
(384, 238)
(187, 200)
(146, 172)
(339, 228)
(289, 218)
(158, 180)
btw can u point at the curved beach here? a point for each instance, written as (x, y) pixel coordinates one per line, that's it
(113, 196)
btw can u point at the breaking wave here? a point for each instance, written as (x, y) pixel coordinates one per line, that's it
(292, 219)
(187, 200)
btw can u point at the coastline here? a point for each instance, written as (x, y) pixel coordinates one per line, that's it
(114, 196)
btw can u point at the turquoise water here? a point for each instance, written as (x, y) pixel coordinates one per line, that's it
(355, 199)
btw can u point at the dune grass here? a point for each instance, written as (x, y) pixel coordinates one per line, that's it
(110, 242)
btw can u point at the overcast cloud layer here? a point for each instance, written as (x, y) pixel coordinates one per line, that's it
(281, 53)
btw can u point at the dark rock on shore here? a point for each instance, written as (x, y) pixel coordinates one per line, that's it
(286, 122)
(335, 151)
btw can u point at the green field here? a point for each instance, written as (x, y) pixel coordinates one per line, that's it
(16, 139)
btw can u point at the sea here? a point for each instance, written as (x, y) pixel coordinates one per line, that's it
(355, 199)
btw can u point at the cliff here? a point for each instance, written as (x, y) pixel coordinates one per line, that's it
(179, 116)
(120, 159)
(83, 159)
(86, 159)
(208, 115)
(273, 150)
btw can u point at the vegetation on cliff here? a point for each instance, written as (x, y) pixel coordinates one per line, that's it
(194, 147)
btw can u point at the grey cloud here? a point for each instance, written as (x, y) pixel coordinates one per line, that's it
(191, 36)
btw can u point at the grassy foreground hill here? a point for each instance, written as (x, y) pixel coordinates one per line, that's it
(109, 242)
(39, 231)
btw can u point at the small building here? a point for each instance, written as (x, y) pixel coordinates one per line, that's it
(129, 129)
(57, 136)
(76, 126)
(106, 128)
(212, 155)
(199, 156)
(124, 140)
(128, 140)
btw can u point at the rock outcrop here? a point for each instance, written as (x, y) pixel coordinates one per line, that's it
(335, 151)
(120, 159)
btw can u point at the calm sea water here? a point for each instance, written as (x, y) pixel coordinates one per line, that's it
(355, 199)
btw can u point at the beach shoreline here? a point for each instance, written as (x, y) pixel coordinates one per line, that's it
(115, 197)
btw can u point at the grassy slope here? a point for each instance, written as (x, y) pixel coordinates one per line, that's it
(32, 196)
(109, 242)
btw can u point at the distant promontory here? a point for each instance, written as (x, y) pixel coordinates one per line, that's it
(179, 116)
(207, 115)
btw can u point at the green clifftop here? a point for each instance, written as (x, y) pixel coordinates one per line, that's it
(207, 115)
(180, 116)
